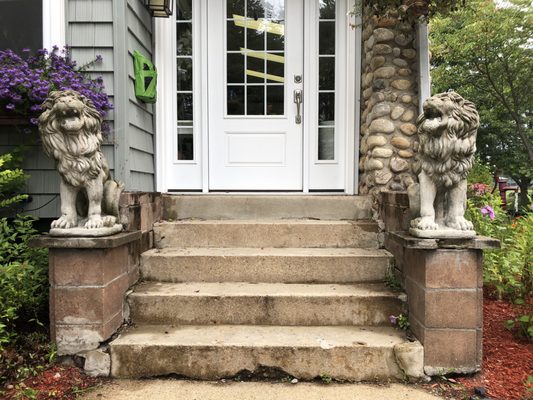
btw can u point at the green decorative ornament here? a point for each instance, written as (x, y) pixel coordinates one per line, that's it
(145, 78)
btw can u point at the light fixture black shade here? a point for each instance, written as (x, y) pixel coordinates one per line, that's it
(159, 8)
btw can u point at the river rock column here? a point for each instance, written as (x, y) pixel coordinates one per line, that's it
(389, 106)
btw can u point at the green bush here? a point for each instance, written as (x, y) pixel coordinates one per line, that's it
(23, 279)
(508, 270)
(481, 173)
(12, 179)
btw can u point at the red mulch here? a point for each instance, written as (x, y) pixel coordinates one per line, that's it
(56, 382)
(507, 360)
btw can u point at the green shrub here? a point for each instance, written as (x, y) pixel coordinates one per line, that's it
(23, 279)
(12, 179)
(481, 173)
(508, 270)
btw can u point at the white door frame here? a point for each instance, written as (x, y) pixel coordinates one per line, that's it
(54, 24)
(166, 114)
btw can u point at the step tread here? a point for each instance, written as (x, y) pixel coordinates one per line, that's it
(288, 221)
(325, 337)
(267, 252)
(243, 289)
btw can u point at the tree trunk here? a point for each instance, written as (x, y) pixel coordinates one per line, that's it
(523, 199)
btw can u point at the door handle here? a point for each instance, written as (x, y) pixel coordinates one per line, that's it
(298, 99)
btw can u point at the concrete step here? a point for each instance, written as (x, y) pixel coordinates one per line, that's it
(233, 206)
(266, 233)
(274, 265)
(263, 304)
(214, 352)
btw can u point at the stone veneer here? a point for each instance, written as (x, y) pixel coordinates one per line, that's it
(389, 106)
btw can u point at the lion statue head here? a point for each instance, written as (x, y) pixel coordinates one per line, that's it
(447, 138)
(70, 129)
(69, 112)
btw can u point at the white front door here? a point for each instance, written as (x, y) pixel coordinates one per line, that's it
(238, 67)
(255, 77)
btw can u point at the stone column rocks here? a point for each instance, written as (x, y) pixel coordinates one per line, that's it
(389, 106)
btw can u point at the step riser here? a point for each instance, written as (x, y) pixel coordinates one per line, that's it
(263, 310)
(255, 269)
(265, 235)
(353, 364)
(266, 207)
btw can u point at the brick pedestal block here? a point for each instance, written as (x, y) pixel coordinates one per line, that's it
(443, 280)
(89, 278)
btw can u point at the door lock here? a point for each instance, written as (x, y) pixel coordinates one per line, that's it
(298, 99)
(297, 78)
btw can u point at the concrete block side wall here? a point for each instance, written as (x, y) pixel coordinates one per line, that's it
(445, 300)
(139, 211)
(89, 278)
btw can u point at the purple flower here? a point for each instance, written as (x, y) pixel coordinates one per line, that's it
(393, 319)
(25, 50)
(487, 210)
(34, 121)
(98, 58)
(10, 107)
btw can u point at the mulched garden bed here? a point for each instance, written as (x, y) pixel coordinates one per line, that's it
(507, 360)
(57, 382)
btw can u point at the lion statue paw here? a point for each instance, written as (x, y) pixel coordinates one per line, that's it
(459, 223)
(64, 222)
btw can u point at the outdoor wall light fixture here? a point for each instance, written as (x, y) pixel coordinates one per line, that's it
(159, 8)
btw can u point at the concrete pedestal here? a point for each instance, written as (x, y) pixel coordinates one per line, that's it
(443, 279)
(89, 278)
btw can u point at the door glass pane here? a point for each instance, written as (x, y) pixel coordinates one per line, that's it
(184, 72)
(275, 96)
(235, 100)
(235, 7)
(326, 143)
(184, 12)
(327, 9)
(326, 81)
(326, 37)
(235, 37)
(326, 73)
(255, 101)
(184, 38)
(185, 144)
(184, 79)
(235, 68)
(255, 30)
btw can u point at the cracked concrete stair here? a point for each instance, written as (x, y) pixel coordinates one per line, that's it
(266, 233)
(281, 265)
(240, 303)
(218, 351)
(235, 287)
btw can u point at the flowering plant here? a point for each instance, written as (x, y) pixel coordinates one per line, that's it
(26, 81)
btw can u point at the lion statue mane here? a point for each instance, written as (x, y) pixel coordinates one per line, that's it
(70, 130)
(447, 131)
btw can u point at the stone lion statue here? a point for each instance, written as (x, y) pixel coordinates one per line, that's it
(447, 131)
(70, 130)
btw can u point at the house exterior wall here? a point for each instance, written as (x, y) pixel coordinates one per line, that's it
(134, 122)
